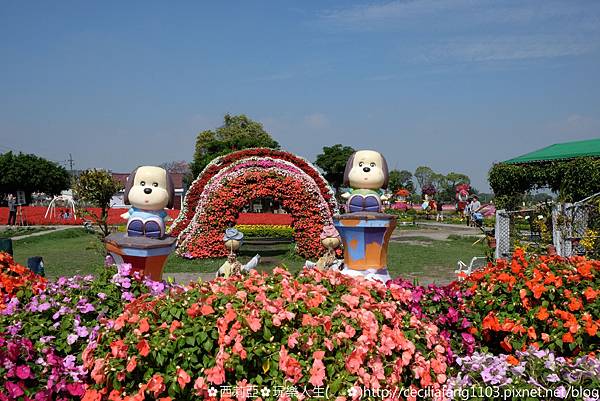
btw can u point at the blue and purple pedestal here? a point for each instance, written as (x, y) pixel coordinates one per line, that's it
(365, 236)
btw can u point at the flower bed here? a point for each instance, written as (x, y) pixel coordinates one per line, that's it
(16, 279)
(544, 302)
(268, 331)
(34, 215)
(445, 306)
(266, 231)
(264, 219)
(514, 376)
(116, 336)
(43, 334)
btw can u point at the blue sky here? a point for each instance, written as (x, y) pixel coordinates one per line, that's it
(452, 84)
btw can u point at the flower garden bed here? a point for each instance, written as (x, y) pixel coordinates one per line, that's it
(34, 215)
(119, 337)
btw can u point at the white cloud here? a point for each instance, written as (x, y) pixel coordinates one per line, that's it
(434, 31)
(316, 120)
(512, 47)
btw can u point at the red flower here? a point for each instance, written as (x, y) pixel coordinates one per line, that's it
(143, 347)
(182, 377)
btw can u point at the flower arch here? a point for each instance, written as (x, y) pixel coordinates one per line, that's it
(214, 200)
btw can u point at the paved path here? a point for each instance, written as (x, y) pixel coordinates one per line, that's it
(434, 231)
(51, 229)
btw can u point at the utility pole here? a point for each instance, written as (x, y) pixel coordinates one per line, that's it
(70, 160)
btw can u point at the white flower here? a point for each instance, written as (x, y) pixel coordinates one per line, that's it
(540, 217)
(265, 392)
(212, 392)
(526, 217)
(352, 392)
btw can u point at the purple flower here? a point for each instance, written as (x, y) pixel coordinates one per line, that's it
(81, 331)
(553, 378)
(560, 392)
(127, 296)
(124, 269)
(71, 338)
(69, 362)
(102, 295)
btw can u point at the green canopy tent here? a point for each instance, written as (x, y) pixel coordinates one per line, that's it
(560, 151)
(571, 169)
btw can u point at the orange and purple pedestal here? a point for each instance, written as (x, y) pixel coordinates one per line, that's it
(147, 255)
(365, 236)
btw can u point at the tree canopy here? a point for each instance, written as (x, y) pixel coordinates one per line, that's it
(333, 162)
(97, 188)
(443, 185)
(573, 180)
(401, 179)
(237, 133)
(31, 173)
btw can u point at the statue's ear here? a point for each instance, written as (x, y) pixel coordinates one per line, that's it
(349, 165)
(128, 185)
(386, 174)
(170, 190)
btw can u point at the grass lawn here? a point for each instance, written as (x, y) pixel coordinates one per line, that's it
(428, 260)
(75, 251)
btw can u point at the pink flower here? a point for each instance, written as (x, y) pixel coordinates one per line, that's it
(23, 372)
(293, 339)
(317, 372)
(14, 390)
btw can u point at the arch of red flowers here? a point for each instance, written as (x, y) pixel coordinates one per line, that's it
(224, 205)
(192, 196)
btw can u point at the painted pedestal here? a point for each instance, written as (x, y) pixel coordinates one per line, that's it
(147, 255)
(365, 236)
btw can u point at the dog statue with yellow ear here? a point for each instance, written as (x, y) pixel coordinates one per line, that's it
(149, 190)
(366, 173)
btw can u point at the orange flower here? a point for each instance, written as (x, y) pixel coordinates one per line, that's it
(156, 384)
(506, 345)
(512, 360)
(131, 364)
(143, 347)
(585, 270)
(542, 313)
(567, 338)
(575, 304)
(491, 322)
(590, 294)
(144, 326)
(531, 333)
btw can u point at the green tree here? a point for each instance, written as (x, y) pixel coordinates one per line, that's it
(30, 173)
(236, 133)
(401, 179)
(424, 176)
(333, 162)
(447, 186)
(97, 188)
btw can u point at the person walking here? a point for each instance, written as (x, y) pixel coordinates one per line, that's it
(12, 210)
(440, 211)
